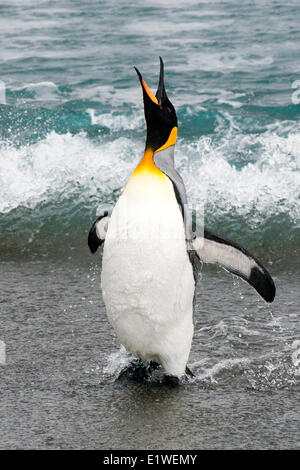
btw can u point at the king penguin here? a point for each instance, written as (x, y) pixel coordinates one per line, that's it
(150, 255)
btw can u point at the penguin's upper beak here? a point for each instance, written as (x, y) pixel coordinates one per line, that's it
(161, 94)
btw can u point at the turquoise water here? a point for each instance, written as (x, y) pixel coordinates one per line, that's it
(71, 132)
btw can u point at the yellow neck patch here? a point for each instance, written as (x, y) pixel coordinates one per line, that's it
(147, 163)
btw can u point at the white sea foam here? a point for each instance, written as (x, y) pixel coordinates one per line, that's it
(116, 122)
(112, 96)
(58, 164)
(268, 184)
(41, 90)
(36, 86)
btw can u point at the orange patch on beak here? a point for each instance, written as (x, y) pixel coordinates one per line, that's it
(149, 92)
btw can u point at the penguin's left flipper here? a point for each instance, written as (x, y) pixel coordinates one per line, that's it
(98, 231)
(213, 249)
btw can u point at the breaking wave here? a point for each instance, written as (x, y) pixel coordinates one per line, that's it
(250, 182)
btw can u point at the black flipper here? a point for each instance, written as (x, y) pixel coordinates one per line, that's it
(98, 232)
(237, 260)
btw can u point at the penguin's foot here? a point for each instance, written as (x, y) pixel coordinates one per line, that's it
(136, 370)
(152, 366)
(171, 381)
(139, 370)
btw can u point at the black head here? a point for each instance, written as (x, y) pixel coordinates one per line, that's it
(160, 114)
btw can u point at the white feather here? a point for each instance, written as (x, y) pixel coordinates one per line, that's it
(147, 279)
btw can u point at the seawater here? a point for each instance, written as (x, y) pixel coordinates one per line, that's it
(71, 131)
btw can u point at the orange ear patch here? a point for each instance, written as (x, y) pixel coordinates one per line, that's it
(171, 140)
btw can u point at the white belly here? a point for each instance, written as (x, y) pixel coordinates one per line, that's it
(147, 278)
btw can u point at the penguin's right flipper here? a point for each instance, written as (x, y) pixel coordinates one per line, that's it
(213, 249)
(98, 231)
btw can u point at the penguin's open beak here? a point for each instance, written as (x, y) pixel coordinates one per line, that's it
(159, 112)
(160, 95)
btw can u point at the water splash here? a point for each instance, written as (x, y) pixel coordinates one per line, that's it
(116, 361)
(221, 366)
(296, 354)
